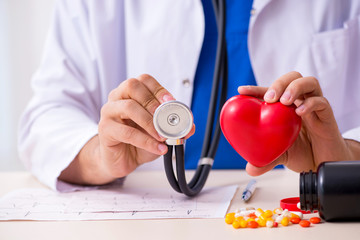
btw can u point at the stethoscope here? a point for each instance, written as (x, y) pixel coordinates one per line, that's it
(173, 120)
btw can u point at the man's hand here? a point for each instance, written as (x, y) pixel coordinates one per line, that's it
(320, 139)
(127, 137)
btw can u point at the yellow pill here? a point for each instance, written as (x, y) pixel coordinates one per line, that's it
(250, 219)
(229, 220)
(232, 214)
(293, 215)
(263, 217)
(268, 213)
(239, 218)
(243, 223)
(278, 210)
(285, 221)
(236, 224)
(260, 210)
(261, 222)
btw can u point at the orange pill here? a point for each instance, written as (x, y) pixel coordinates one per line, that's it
(252, 224)
(315, 220)
(295, 220)
(252, 215)
(304, 223)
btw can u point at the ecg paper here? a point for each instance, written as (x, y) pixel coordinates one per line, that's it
(114, 203)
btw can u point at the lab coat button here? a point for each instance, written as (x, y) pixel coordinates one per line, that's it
(253, 11)
(186, 83)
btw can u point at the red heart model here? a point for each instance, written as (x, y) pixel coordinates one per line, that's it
(260, 132)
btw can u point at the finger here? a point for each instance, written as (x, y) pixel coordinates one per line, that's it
(301, 88)
(276, 90)
(192, 131)
(319, 105)
(114, 133)
(257, 171)
(161, 94)
(134, 89)
(254, 91)
(130, 109)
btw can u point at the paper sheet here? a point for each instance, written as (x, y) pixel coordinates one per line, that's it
(114, 203)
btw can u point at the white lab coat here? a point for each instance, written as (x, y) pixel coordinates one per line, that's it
(94, 45)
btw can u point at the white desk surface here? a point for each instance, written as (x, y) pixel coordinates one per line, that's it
(271, 187)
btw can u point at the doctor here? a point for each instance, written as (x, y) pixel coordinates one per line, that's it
(90, 120)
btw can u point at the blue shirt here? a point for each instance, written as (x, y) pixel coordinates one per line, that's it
(239, 71)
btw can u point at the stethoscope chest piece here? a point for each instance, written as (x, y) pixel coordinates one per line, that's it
(173, 120)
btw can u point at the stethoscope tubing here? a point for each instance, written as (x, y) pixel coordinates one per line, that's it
(210, 143)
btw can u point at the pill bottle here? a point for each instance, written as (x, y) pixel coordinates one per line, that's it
(334, 190)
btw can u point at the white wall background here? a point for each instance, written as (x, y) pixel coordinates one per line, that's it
(23, 27)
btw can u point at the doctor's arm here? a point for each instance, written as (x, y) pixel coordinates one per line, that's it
(65, 132)
(320, 139)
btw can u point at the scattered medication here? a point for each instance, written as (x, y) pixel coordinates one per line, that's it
(251, 218)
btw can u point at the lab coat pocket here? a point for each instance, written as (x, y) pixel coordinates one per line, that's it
(336, 55)
(329, 50)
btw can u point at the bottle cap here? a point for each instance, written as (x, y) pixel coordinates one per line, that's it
(291, 204)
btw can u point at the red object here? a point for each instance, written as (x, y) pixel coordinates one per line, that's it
(275, 224)
(304, 223)
(260, 132)
(291, 204)
(315, 220)
(252, 224)
(295, 220)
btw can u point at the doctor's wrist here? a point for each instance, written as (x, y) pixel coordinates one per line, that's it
(354, 149)
(87, 168)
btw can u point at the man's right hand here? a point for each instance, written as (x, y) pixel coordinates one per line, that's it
(127, 137)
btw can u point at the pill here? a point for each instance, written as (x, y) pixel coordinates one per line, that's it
(243, 223)
(261, 222)
(260, 210)
(275, 224)
(304, 223)
(278, 219)
(269, 224)
(252, 215)
(252, 224)
(278, 211)
(295, 220)
(268, 213)
(236, 224)
(315, 220)
(230, 215)
(299, 214)
(229, 220)
(285, 221)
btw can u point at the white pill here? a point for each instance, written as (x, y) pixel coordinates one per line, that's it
(269, 224)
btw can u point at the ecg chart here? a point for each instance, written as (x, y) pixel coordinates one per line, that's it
(114, 203)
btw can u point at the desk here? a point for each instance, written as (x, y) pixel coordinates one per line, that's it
(272, 187)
